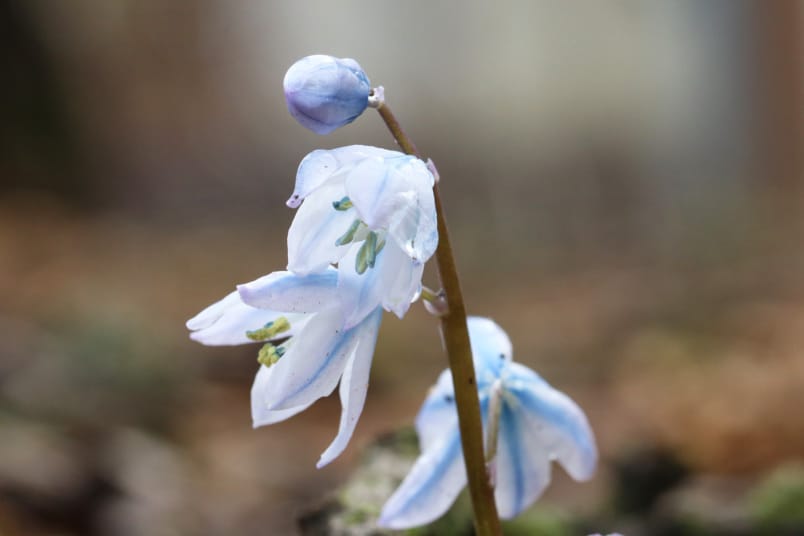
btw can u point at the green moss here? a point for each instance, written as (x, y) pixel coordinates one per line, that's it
(778, 503)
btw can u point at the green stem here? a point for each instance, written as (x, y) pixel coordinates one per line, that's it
(459, 352)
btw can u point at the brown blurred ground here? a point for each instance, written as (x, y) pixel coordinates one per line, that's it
(623, 181)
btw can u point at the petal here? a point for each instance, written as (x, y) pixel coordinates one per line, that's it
(226, 322)
(523, 468)
(211, 314)
(313, 235)
(313, 364)
(354, 385)
(260, 414)
(415, 227)
(491, 348)
(394, 282)
(432, 485)
(402, 279)
(321, 166)
(314, 170)
(359, 294)
(556, 424)
(438, 413)
(286, 291)
(396, 194)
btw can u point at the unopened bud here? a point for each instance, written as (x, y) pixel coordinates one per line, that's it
(324, 93)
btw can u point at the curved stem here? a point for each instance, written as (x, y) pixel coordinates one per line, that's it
(455, 335)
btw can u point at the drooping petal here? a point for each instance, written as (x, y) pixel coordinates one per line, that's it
(312, 366)
(556, 423)
(286, 291)
(491, 347)
(430, 488)
(401, 279)
(322, 166)
(354, 385)
(415, 228)
(314, 170)
(313, 235)
(260, 414)
(394, 282)
(359, 294)
(522, 467)
(438, 413)
(226, 322)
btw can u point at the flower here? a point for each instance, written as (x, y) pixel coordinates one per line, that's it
(372, 211)
(536, 425)
(324, 93)
(319, 352)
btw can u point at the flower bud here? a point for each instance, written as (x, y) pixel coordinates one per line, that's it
(324, 93)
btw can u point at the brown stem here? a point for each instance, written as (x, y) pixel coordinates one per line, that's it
(455, 335)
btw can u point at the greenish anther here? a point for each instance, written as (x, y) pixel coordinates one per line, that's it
(344, 204)
(349, 235)
(269, 330)
(367, 255)
(269, 354)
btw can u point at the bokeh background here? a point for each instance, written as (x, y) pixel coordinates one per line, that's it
(624, 185)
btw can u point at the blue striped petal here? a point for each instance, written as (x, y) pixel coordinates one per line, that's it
(557, 425)
(436, 479)
(354, 385)
(286, 291)
(314, 362)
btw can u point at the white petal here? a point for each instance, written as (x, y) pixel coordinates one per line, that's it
(354, 385)
(523, 468)
(394, 282)
(396, 194)
(359, 294)
(314, 170)
(226, 322)
(313, 364)
(556, 423)
(402, 279)
(315, 229)
(260, 414)
(438, 413)
(491, 347)
(286, 291)
(432, 485)
(321, 166)
(415, 228)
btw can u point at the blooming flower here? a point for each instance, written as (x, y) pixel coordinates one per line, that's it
(536, 425)
(372, 212)
(324, 93)
(319, 352)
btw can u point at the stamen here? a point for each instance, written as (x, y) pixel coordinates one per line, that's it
(350, 233)
(367, 255)
(269, 330)
(493, 430)
(344, 204)
(270, 354)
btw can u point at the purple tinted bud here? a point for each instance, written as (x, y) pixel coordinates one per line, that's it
(324, 93)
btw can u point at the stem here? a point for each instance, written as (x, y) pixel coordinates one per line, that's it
(455, 335)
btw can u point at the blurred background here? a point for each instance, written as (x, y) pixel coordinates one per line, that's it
(624, 186)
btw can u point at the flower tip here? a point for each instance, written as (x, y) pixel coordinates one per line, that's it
(324, 93)
(294, 201)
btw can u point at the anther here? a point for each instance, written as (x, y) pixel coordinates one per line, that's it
(269, 330)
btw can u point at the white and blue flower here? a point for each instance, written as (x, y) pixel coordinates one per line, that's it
(372, 212)
(536, 424)
(317, 350)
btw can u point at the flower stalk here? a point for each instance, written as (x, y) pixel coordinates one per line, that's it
(455, 335)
